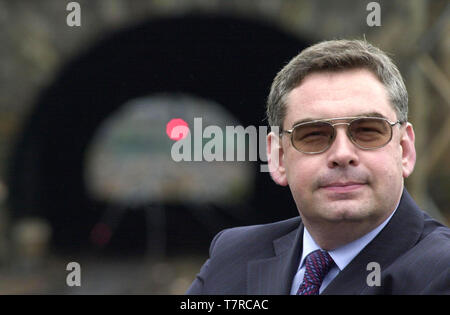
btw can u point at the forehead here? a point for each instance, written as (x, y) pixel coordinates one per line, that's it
(347, 93)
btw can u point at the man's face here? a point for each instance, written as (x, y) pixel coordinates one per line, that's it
(344, 183)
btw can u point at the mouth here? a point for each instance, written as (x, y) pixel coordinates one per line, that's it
(343, 187)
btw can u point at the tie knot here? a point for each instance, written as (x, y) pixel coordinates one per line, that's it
(318, 263)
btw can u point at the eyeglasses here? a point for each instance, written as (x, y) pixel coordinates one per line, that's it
(367, 133)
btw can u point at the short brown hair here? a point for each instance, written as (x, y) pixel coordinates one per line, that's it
(336, 55)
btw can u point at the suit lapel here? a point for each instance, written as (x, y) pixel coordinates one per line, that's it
(399, 235)
(274, 275)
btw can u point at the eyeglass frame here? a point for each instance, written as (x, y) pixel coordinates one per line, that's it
(333, 137)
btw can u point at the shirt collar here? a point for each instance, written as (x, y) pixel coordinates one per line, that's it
(344, 254)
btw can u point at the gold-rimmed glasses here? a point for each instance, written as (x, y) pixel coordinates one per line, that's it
(367, 133)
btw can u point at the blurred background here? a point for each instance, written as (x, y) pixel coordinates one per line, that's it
(86, 173)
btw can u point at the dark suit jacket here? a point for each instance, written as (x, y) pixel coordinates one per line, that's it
(413, 251)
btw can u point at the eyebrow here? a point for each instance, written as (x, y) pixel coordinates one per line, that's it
(369, 114)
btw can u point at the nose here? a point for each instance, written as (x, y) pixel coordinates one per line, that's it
(343, 152)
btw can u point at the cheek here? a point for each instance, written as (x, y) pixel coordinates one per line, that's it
(301, 173)
(386, 170)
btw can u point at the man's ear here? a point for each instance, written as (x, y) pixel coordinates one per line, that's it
(275, 159)
(408, 150)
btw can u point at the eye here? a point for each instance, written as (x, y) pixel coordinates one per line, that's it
(312, 132)
(370, 126)
(368, 130)
(315, 134)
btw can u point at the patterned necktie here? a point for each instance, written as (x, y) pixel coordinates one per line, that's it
(318, 263)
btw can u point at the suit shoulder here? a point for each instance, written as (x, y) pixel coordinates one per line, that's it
(433, 248)
(255, 235)
(424, 269)
(437, 241)
(436, 235)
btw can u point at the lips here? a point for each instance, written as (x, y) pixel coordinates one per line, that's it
(343, 186)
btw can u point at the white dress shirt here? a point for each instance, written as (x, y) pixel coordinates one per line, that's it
(342, 256)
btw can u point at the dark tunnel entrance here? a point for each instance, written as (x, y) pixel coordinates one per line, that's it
(228, 61)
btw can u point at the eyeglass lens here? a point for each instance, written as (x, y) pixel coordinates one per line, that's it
(368, 133)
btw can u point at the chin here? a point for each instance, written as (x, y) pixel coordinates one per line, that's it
(347, 211)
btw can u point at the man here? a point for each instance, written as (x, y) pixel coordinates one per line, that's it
(344, 148)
